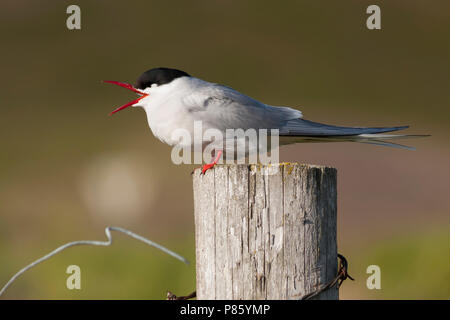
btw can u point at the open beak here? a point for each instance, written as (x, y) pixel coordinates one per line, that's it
(129, 87)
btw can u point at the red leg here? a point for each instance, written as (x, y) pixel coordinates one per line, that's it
(208, 166)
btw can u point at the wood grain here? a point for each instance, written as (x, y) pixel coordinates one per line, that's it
(265, 232)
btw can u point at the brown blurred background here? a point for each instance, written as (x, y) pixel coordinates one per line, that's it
(68, 170)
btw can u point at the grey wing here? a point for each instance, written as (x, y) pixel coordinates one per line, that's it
(223, 108)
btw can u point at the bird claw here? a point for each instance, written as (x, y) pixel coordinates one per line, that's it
(206, 167)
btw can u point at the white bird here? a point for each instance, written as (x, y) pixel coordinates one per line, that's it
(172, 99)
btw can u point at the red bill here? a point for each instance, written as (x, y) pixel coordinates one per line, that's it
(129, 87)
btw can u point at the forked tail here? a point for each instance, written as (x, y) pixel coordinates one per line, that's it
(300, 130)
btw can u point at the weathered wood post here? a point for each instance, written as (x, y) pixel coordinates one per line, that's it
(265, 232)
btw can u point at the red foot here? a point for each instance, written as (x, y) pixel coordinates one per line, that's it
(208, 166)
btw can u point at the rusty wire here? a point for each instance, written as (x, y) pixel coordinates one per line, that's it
(171, 296)
(341, 276)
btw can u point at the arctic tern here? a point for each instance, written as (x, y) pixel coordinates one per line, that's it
(173, 99)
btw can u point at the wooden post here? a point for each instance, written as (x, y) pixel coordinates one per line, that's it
(265, 232)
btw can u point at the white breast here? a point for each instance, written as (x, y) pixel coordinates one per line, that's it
(166, 112)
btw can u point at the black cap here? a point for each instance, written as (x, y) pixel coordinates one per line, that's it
(159, 76)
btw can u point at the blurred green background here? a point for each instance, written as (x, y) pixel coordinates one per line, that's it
(68, 170)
